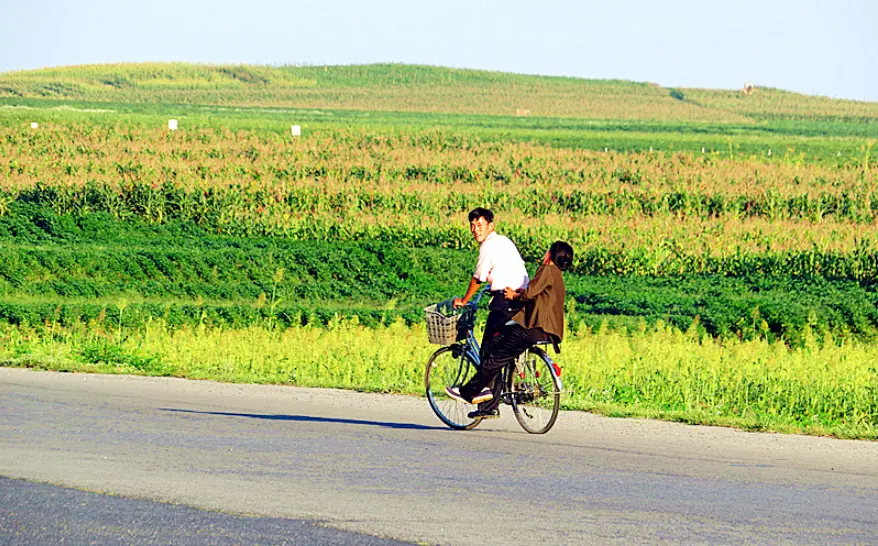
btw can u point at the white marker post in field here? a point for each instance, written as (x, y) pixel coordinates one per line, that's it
(172, 124)
(34, 125)
(296, 130)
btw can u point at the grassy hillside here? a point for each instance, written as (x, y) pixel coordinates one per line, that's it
(412, 88)
(777, 104)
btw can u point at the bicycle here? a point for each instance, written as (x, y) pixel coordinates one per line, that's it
(531, 384)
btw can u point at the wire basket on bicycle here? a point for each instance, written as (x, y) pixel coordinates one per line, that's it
(446, 325)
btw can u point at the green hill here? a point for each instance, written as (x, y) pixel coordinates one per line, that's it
(414, 88)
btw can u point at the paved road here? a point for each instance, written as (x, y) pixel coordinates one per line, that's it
(382, 465)
(35, 513)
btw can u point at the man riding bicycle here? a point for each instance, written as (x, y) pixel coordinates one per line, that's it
(540, 319)
(501, 265)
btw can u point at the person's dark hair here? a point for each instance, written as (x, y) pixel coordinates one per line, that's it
(477, 213)
(562, 254)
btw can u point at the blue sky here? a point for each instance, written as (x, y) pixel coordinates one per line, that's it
(823, 48)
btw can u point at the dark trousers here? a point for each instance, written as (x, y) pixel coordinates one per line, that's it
(500, 311)
(509, 342)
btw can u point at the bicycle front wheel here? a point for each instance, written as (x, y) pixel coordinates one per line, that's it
(535, 392)
(450, 367)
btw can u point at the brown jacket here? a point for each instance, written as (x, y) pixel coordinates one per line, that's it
(544, 302)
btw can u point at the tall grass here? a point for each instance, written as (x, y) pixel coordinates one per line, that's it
(656, 371)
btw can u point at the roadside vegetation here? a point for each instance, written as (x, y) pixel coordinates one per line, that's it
(656, 371)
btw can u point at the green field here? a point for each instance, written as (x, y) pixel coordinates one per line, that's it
(727, 243)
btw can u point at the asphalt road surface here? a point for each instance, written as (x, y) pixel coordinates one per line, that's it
(263, 463)
(35, 513)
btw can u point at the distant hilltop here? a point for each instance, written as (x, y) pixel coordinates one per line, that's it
(418, 88)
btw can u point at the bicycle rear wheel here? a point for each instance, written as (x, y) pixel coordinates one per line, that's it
(535, 392)
(450, 367)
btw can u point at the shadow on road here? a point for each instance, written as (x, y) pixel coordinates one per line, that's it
(310, 419)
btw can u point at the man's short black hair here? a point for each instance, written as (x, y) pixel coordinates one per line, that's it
(562, 254)
(477, 213)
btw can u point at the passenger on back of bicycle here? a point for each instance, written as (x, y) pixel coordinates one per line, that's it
(540, 319)
(501, 265)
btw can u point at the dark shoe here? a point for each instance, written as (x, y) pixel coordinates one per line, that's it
(484, 414)
(454, 394)
(485, 396)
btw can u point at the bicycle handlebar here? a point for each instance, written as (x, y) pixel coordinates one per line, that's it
(478, 295)
(447, 307)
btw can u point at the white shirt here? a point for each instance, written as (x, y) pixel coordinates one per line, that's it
(500, 264)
